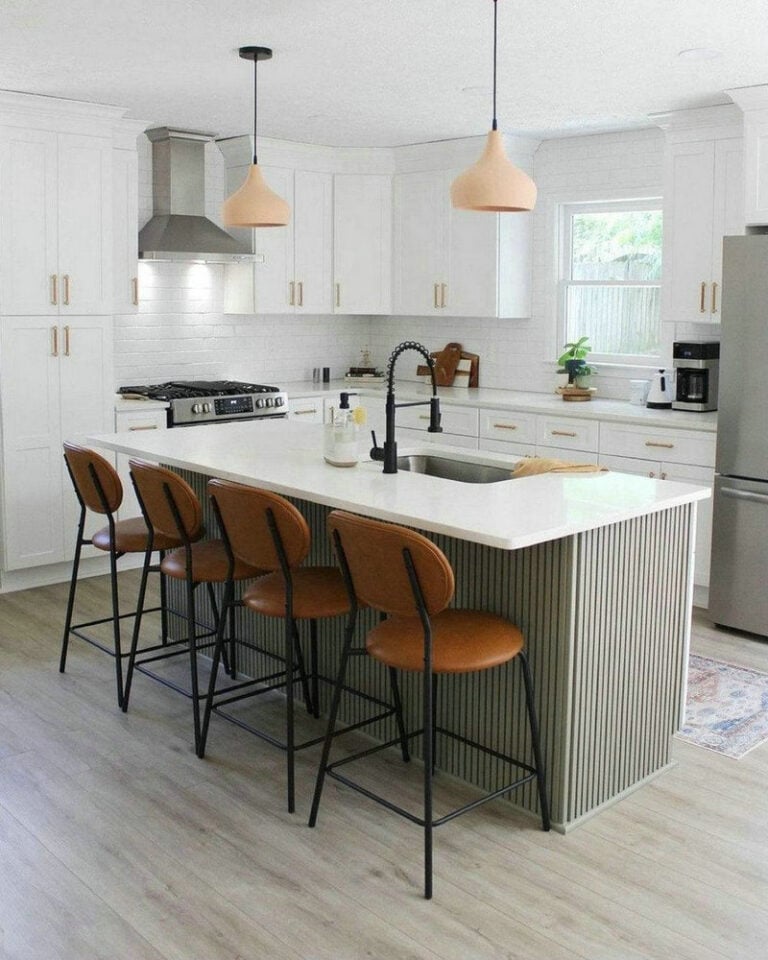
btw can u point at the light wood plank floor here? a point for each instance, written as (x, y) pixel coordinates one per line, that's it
(116, 842)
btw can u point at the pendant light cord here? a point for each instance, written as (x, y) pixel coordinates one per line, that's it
(494, 125)
(255, 103)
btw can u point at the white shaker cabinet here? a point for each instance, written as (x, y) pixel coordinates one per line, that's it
(456, 262)
(362, 243)
(293, 272)
(703, 202)
(56, 384)
(56, 211)
(125, 217)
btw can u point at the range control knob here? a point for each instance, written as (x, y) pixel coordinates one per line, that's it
(278, 401)
(197, 408)
(206, 408)
(259, 403)
(269, 402)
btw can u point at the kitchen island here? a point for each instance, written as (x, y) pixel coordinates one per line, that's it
(595, 568)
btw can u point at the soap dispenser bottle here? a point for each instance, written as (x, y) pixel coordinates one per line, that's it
(340, 442)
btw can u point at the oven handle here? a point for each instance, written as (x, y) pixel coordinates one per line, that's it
(205, 423)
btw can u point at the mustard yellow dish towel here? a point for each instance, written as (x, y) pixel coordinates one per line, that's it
(533, 465)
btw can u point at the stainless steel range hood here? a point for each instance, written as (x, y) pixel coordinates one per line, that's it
(179, 228)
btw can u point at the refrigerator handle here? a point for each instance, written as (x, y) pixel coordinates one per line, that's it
(744, 495)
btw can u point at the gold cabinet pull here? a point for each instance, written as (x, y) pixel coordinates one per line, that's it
(146, 426)
(505, 426)
(436, 294)
(663, 476)
(338, 294)
(300, 285)
(443, 292)
(651, 474)
(135, 291)
(652, 443)
(301, 413)
(66, 341)
(714, 302)
(563, 433)
(65, 278)
(702, 295)
(292, 294)
(54, 290)
(54, 341)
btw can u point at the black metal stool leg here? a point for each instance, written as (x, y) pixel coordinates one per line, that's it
(290, 635)
(193, 676)
(216, 621)
(299, 655)
(137, 626)
(226, 610)
(398, 705)
(535, 741)
(314, 669)
(163, 602)
(72, 592)
(428, 772)
(331, 730)
(116, 626)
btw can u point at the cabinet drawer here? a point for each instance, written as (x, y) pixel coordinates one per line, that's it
(136, 420)
(516, 450)
(508, 426)
(651, 443)
(459, 420)
(407, 436)
(309, 409)
(567, 433)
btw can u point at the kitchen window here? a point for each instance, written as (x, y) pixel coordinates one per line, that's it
(610, 278)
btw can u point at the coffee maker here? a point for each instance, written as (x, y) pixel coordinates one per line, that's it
(696, 371)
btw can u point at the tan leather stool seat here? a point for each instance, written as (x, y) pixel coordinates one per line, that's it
(131, 537)
(317, 592)
(462, 641)
(210, 564)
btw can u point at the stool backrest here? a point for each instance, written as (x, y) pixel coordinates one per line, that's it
(171, 507)
(244, 513)
(375, 556)
(90, 471)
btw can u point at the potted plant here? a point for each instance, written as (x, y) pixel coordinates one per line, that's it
(573, 362)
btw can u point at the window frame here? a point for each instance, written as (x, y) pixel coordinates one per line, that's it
(564, 263)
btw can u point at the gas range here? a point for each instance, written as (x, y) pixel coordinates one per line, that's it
(208, 401)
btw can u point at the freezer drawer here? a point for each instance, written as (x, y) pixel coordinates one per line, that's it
(738, 588)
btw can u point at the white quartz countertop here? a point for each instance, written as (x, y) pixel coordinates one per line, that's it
(596, 409)
(286, 456)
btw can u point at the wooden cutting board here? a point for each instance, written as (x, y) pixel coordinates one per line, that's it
(446, 361)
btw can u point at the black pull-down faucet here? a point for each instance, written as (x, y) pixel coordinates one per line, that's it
(389, 451)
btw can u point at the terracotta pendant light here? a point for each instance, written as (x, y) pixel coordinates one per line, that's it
(494, 183)
(254, 204)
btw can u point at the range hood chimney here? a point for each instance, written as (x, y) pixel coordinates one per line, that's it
(179, 228)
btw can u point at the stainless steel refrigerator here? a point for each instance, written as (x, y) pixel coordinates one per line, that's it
(738, 589)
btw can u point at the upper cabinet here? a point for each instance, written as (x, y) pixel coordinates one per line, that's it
(456, 262)
(703, 202)
(55, 206)
(125, 232)
(362, 243)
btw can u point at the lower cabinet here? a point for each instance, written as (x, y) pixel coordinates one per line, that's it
(134, 420)
(55, 384)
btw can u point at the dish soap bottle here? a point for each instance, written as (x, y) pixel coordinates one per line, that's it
(340, 442)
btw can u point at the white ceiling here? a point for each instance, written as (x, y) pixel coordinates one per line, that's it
(384, 72)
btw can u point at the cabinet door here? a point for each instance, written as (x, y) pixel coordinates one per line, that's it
(313, 241)
(85, 224)
(32, 456)
(273, 277)
(420, 226)
(473, 263)
(702, 477)
(688, 230)
(28, 215)
(728, 208)
(125, 231)
(131, 420)
(362, 243)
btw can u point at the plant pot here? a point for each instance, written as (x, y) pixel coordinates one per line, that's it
(572, 368)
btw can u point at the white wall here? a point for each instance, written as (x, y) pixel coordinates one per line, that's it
(182, 332)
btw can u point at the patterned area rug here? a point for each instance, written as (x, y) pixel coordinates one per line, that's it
(727, 707)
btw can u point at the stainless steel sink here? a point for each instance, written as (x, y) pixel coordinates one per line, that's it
(461, 470)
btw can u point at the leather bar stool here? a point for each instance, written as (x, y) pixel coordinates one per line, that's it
(265, 530)
(172, 509)
(99, 490)
(405, 576)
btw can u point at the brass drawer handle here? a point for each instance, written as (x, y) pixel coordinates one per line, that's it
(301, 293)
(65, 278)
(55, 341)
(338, 294)
(714, 298)
(703, 294)
(301, 413)
(443, 294)
(505, 426)
(436, 298)
(149, 426)
(135, 291)
(666, 446)
(292, 294)
(66, 341)
(54, 290)
(563, 433)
